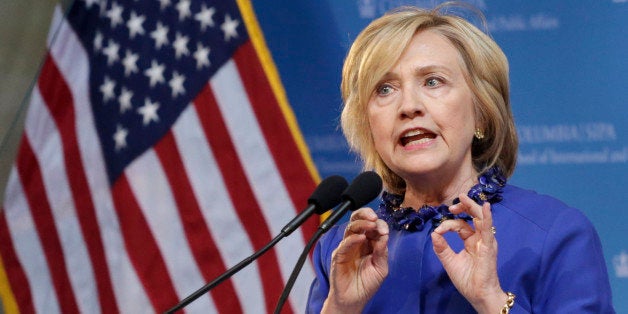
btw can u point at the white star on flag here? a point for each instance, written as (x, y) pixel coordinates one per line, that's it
(149, 111)
(229, 27)
(120, 137)
(163, 4)
(180, 45)
(201, 55)
(205, 17)
(111, 51)
(107, 89)
(176, 84)
(160, 35)
(184, 9)
(130, 63)
(135, 25)
(98, 41)
(155, 73)
(125, 100)
(115, 15)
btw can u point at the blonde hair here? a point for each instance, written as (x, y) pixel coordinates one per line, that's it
(378, 47)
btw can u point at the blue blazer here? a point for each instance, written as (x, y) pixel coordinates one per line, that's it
(549, 256)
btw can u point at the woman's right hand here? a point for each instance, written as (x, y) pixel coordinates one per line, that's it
(359, 263)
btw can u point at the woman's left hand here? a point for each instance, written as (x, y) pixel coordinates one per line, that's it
(473, 271)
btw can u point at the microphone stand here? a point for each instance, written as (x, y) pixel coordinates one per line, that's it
(226, 275)
(297, 270)
(326, 195)
(365, 187)
(324, 227)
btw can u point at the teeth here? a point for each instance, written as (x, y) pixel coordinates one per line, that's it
(422, 140)
(417, 136)
(413, 133)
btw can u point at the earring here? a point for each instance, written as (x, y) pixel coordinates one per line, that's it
(479, 134)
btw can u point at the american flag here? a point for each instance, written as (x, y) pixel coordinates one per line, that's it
(159, 150)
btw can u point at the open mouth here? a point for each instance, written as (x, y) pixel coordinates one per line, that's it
(416, 137)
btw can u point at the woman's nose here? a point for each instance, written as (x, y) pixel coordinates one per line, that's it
(411, 104)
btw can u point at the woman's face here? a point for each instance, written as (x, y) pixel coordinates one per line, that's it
(421, 113)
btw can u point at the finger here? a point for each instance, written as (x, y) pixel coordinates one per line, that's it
(466, 205)
(380, 247)
(459, 226)
(486, 225)
(364, 213)
(487, 214)
(360, 227)
(380, 229)
(441, 248)
(349, 248)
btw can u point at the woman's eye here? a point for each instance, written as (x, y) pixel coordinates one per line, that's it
(384, 90)
(432, 82)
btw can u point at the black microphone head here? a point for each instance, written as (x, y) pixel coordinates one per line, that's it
(327, 193)
(363, 189)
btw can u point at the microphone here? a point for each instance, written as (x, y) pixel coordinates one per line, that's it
(363, 189)
(326, 195)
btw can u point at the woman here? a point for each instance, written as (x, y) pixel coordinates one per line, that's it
(427, 106)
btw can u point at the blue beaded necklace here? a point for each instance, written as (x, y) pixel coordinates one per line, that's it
(488, 189)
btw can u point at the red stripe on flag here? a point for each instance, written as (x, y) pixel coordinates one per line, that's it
(240, 192)
(142, 247)
(17, 278)
(201, 242)
(58, 98)
(35, 191)
(276, 131)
